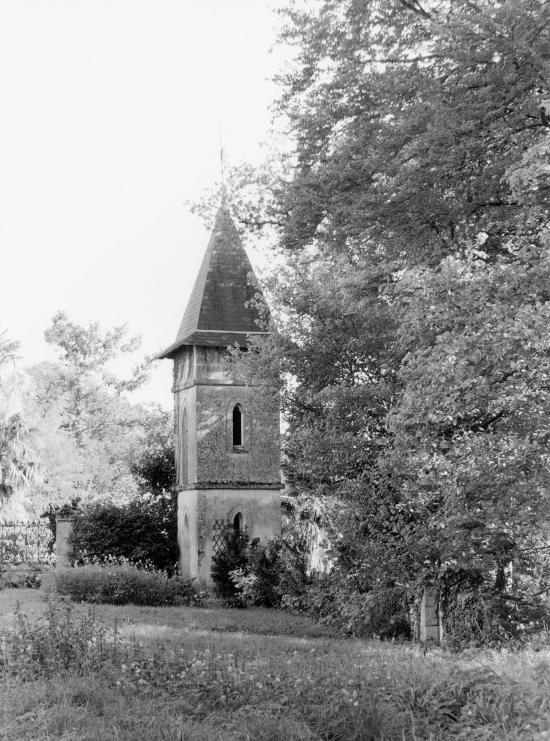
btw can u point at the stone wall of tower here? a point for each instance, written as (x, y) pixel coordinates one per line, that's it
(217, 462)
(185, 406)
(202, 512)
(205, 394)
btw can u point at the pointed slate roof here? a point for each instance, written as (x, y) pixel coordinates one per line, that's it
(217, 313)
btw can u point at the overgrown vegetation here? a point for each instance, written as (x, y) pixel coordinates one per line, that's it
(275, 574)
(143, 530)
(253, 572)
(72, 674)
(410, 217)
(409, 222)
(124, 583)
(18, 460)
(231, 558)
(71, 421)
(28, 577)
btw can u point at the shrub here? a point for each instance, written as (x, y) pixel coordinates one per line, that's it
(274, 574)
(274, 571)
(334, 601)
(474, 614)
(142, 531)
(124, 583)
(248, 571)
(259, 583)
(231, 557)
(24, 578)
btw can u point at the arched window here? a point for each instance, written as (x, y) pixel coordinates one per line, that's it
(238, 522)
(184, 449)
(237, 426)
(186, 547)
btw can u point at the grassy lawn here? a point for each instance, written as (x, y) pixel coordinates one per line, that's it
(156, 620)
(130, 673)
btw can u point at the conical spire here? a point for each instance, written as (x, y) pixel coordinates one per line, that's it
(218, 312)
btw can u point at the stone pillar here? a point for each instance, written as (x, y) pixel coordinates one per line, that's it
(429, 617)
(414, 620)
(63, 548)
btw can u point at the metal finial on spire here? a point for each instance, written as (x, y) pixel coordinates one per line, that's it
(222, 167)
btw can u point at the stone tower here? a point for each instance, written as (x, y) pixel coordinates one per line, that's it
(227, 438)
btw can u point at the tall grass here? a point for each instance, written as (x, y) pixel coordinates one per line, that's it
(59, 641)
(72, 676)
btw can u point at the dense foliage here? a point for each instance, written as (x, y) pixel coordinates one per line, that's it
(413, 302)
(69, 430)
(273, 574)
(153, 461)
(143, 531)
(124, 583)
(231, 557)
(18, 460)
(89, 431)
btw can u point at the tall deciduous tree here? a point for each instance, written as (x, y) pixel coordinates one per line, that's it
(414, 215)
(18, 462)
(406, 119)
(81, 398)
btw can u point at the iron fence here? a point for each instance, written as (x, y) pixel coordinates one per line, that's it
(24, 543)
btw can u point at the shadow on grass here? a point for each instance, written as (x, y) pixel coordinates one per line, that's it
(259, 621)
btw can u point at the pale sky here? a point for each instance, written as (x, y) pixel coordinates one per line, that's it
(110, 116)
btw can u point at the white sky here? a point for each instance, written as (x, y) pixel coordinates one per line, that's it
(109, 120)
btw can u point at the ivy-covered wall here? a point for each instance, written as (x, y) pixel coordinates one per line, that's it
(217, 461)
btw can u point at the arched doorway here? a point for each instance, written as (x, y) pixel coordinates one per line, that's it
(238, 522)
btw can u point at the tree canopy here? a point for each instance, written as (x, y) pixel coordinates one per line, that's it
(18, 462)
(413, 306)
(95, 444)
